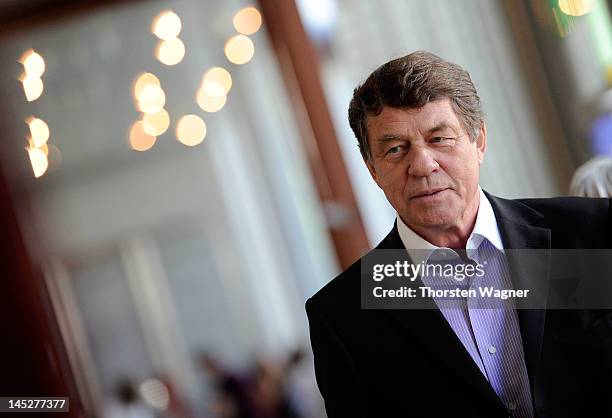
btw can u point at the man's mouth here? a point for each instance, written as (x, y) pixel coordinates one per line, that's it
(428, 194)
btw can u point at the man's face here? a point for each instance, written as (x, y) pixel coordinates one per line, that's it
(426, 164)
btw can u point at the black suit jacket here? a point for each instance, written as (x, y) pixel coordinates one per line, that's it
(410, 363)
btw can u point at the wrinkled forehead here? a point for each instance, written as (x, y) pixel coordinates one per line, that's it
(435, 115)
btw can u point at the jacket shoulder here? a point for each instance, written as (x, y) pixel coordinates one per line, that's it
(345, 290)
(575, 222)
(572, 210)
(339, 290)
(569, 205)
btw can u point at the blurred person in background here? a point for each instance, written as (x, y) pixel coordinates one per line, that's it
(422, 135)
(127, 403)
(301, 385)
(269, 392)
(270, 389)
(593, 178)
(231, 397)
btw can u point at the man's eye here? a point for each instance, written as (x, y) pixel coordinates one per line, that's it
(393, 150)
(442, 140)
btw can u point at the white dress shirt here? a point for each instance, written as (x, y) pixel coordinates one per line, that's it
(490, 336)
(485, 227)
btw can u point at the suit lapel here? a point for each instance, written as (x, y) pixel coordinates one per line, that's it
(531, 271)
(516, 225)
(430, 329)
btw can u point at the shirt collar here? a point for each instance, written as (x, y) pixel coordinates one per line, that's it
(485, 227)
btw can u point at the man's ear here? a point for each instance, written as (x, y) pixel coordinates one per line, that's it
(481, 142)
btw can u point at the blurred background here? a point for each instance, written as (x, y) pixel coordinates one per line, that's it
(178, 177)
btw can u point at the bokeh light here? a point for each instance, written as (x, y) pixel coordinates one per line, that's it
(167, 25)
(210, 103)
(220, 76)
(54, 155)
(32, 86)
(44, 148)
(155, 393)
(39, 161)
(39, 131)
(157, 123)
(576, 7)
(143, 80)
(151, 99)
(190, 130)
(139, 139)
(247, 21)
(170, 52)
(239, 49)
(33, 63)
(213, 89)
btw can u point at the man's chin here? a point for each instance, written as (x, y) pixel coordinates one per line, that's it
(433, 220)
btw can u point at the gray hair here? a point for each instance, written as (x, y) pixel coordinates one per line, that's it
(412, 81)
(593, 178)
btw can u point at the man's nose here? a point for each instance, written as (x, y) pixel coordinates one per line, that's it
(422, 163)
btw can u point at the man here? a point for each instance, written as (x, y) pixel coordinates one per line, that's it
(422, 135)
